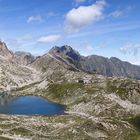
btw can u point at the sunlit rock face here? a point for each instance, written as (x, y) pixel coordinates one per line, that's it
(12, 73)
(24, 58)
(5, 52)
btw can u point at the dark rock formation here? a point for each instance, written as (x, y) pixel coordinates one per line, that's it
(98, 64)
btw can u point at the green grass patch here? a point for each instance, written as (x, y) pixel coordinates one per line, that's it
(135, 122)
(4, 138)
(120, 90)
(63, 89)
(22, 131)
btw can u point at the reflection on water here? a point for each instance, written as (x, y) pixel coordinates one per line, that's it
(29, 105)
(6, 99)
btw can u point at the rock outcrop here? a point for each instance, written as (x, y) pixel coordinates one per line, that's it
(15, 74)
(96, 64)
(5, 52)
(23, 58)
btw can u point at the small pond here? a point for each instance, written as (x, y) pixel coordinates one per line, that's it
(29, 105)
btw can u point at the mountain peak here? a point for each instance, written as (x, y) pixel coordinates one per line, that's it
(22, 53)
(115, 59)
(65, 50)
(5, 52)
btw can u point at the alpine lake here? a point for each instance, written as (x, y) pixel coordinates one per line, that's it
(29, 105)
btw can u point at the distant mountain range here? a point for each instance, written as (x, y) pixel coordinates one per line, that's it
(95, 64)
(70, 59)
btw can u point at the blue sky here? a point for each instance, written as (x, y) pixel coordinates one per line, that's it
(103, 27)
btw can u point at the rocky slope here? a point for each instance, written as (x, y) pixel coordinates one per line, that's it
(23, 58)
(98, 110)
(98, 107)
(4, 51)
(12, 74)
(98, 64)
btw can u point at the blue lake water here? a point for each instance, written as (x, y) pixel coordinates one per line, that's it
(29, 105)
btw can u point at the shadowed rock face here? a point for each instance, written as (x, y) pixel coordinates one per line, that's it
(99, 64)
(24, 58)
(110, 67)
(65, 51)
(4, 52)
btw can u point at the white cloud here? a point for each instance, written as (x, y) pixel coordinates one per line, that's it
(82, 16)
(130, 48)
(23, 42)
(134, 60)
(34, 19)
(89, 48)
(49, 38)
(51, 14)
(121, 12)
(130, 7)
(117, 13)
(79, 1)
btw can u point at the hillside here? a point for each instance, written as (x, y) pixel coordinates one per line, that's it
(12, 74)
(97, 106)
(23, 58)
(98, 64)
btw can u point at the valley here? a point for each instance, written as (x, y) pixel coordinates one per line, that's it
(99, 105)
